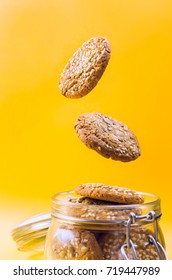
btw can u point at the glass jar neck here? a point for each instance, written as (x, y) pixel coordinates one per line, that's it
(78, 213)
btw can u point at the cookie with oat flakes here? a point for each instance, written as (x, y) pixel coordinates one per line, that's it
(91, 201)
(75, 244)
(145, 250)
(85, 68)
(85, 208)
(112, 242)
(107, 136)
(109, 193)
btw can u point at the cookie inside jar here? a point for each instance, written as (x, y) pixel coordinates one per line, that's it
(85, 228)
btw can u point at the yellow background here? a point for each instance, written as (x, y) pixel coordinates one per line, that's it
(40, 153)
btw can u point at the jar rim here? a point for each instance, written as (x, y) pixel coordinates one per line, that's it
(149, 199)
(65, 210)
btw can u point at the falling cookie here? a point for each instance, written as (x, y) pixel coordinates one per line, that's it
(107, 136)
(85, 68)
(109, 193)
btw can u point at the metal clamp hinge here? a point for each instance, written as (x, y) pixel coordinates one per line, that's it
(152, 239)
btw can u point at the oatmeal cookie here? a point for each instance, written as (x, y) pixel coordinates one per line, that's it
(75, 244)
(107, 136)
(85, 68)
(109, 193)
(111, 243)
(82, 208)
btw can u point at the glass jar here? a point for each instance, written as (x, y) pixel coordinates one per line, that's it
(80, 231)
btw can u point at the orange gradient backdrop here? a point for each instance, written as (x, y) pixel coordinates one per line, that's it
(40, 154)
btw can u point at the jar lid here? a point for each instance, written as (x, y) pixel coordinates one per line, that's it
(30, 234)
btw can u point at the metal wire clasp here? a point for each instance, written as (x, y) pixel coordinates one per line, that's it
(152, 239)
